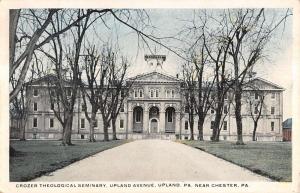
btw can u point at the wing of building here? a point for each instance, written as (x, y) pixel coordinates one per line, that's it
(155, 108)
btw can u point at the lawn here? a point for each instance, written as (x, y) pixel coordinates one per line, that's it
(36, 158)
(271, 159)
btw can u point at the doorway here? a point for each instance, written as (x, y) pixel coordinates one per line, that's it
(153, 125)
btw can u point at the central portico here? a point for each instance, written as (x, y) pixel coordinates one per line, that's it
(155, 101)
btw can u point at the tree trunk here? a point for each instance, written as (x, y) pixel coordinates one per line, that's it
(105, 131)
(254, 131)
(22, 130)
(192, 125)
(67, 131)
(92, 125)
(200, 129)
(114, 129)
(215, 136)
(239, 125)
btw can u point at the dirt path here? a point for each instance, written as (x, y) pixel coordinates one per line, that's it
(152, 160)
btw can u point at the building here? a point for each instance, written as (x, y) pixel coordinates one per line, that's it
(155, 109)
(287, 130)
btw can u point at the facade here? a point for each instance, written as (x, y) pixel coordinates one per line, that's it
(155, 109)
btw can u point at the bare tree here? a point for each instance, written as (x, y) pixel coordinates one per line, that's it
(91, 91)
(19, 112)
(256, 105)
(106, 89)
(64, 85)
(251, 32)
(217, 50)
(190, 88)
(30, 30)
(235, 41)
(111, 87)
(209, 49)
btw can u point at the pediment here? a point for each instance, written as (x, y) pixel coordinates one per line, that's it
(262, 84)
(154, 77)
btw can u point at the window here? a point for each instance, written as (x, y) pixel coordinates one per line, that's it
(212, 111)
(225, 96)
(35, 106)
(51, 124)
(256, 96)
(212, 123)
(35, 92)
(186, 125)
(141, 93)
(35, 122)
(170, 116)
(154, 93)
(186, 109)
(52, 106)
(272, 125)
(225, 109)
(121, 124)
(135, 94)
(170, 94)
(68, 92)
(96, 123)
(82, 123)
(255, 109)
(273, 95)
(138, 116)
(122, 94)
(173, 93)
(272, 110)
(83, 107)
(122, 108)
(225, 125)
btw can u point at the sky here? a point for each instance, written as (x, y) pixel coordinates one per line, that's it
(168, 22)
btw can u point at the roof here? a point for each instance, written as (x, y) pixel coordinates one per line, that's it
(262, 84)
(287, 124)
(154, 77)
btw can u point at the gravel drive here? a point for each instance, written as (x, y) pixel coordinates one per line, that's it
(152, 160)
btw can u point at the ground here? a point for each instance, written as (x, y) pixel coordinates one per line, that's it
(272, 159)
(152, 160)
(36, 158)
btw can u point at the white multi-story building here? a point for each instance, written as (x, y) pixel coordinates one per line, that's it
(155, 109)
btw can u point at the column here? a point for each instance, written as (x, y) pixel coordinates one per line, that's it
(161, 128)
(145, 121)
(177, 122)
(129, 121)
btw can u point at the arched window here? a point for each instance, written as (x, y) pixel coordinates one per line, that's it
(138, 115)
(173, 93)
(170, 116)
(170, 112)
(141, 93)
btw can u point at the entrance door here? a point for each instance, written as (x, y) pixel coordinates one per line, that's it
(153, 126)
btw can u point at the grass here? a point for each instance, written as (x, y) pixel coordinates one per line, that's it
(271, 159)
(37, 158)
